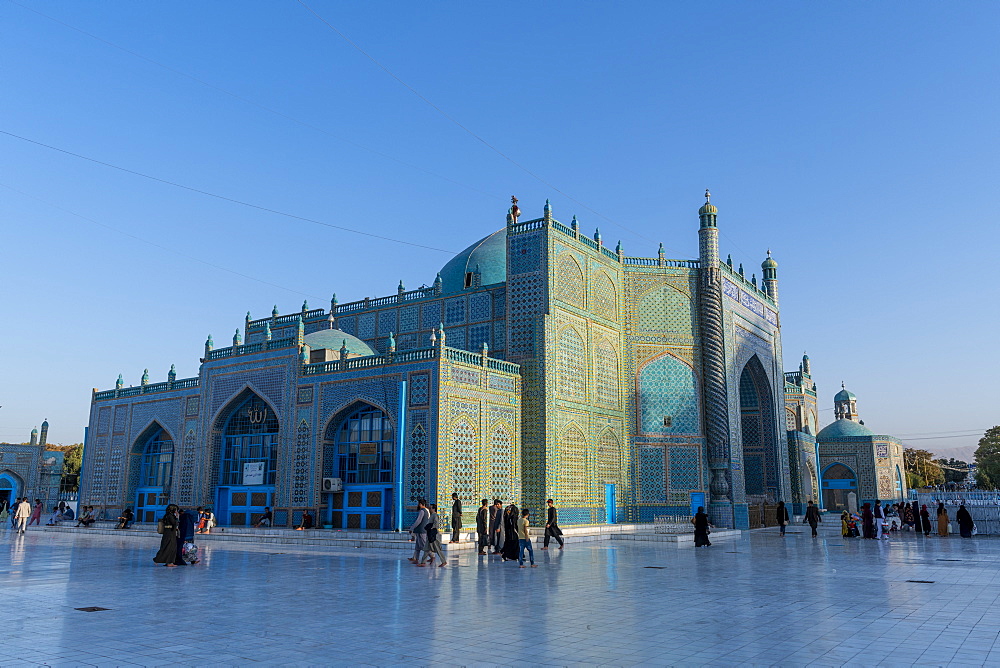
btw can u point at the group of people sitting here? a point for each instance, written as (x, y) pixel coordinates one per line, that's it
(879, 521)
(61, 513)
(87, 517)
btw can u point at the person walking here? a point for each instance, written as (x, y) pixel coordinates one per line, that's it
(168, 527)
(21, 515)
(511, 543)
(434, 537)
(524, 539)
(812, 517)
(496, 526)
(964, 519)
(942, 520)
(456, 517)
(552, 529)
(782, 516)
(483, 525)
(419, 532)
(925, 520)
(702, 527)
(36, 514)
(879, 514)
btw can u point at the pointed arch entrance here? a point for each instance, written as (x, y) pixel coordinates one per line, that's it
(247, 460)
(839, 480)
(11, 487)
(761, 465)
(359, 449)
(152, 465)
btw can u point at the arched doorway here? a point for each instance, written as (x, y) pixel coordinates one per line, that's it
(761, 468)
(153, 454)
(248, 462)
(11, 487)
(358, 449)
(838, 481)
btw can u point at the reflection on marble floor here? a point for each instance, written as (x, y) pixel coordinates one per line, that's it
(757, 600)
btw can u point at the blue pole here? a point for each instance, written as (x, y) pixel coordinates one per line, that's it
(400, 443)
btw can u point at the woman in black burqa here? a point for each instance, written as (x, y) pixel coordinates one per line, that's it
(964, 519)
(701, 525)
(167, 554)
(510, 541)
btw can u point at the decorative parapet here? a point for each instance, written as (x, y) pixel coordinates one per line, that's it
(406, 356)
(660, 262)
(169, 386)
(746, 284)
(249, 348)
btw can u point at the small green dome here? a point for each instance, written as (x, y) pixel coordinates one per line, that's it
(489, 255)
(707, 207)
(769, 263)
(844, 395)
(333, 339)
(843, 428)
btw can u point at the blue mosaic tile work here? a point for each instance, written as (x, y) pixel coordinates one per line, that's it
(499, 335)
(667, 389)
(526, 302)
(366, 326)
(387, 322)
(685, 469)
(409, 317)
(479, 307)
(499, 304)
(431, 315)
(104, 420)
(348, 324)
(419, 389)
(524, 255)
(454, 312)
(456, 338)
(652, 482)
(121, 418)
(478, 335)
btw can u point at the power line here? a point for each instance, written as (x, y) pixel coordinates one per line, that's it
(934, 438)
(223, 197)
(153, 243)
(953, 431)
(465, 128)
(252, 103)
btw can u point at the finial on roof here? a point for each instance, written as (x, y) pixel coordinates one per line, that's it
(729, 260)
(248, 316)
(333, 301)
(172, 374)
(145, 377)
(274, 311)
(574, 223)
(514, 211)
(741, 270)
(597, 234)
(305, 305)
(120, 382)
(708, 196)
(401, 288)
(267, 331)
(618, 248)
(708, 207)
(547, 209)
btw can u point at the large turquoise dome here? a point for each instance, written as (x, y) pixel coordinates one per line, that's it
(842, 429)
(489, 254)
(333, 339)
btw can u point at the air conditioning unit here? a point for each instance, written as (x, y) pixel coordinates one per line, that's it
(333, 485)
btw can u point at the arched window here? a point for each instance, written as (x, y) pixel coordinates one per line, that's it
(668, 397)
(249, 437)
(605, 297)
(570, 286)
(157, 461)
(364, 447)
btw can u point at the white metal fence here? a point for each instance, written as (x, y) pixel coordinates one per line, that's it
(984, 507)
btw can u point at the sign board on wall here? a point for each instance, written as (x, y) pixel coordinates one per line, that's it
(253, 473)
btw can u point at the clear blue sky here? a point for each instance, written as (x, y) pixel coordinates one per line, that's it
(857, 140)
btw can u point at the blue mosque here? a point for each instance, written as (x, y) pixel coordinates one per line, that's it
(540, 363)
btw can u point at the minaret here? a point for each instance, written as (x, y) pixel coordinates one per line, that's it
(845, 405)
(770, 277)
(714, 365)
(43, 436)
(806, 365)
(34, 436)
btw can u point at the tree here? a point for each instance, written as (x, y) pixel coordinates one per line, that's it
(988, 460)
(72, 461)
(921, 469)
(955, 470)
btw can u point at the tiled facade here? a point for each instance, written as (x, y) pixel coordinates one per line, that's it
(538, 364)
(801, 420)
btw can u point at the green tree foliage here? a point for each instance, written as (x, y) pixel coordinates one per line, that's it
(921, 469)
(72, 461)
(988, 460)
(955, 470)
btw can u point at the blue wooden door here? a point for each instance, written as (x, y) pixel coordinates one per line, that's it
(610, 505)
(697, 501)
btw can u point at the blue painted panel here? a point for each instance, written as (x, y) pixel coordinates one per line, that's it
(610, 508)
(839, 484)
(697, 501)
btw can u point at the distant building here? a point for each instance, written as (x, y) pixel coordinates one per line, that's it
(853, 458)
(30, 470)
(800, 422)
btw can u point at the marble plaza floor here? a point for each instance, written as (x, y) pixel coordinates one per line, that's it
(756, 600)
